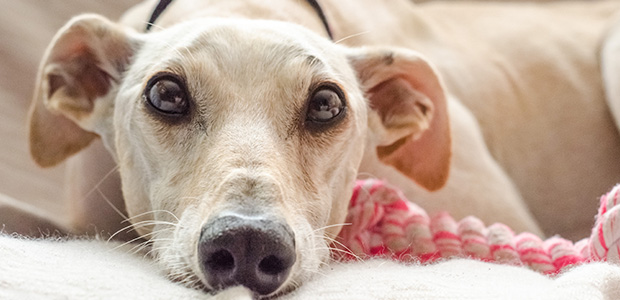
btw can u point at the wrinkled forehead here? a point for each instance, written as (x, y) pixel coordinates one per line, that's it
(242, 49)
(264, 70)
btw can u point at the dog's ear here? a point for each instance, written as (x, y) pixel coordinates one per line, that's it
(77, 78)
(412, 130)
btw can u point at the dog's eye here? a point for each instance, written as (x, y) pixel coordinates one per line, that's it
(325, 105)
(167, 95)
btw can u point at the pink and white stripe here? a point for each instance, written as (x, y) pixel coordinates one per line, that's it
(605, 238)
(384, 223)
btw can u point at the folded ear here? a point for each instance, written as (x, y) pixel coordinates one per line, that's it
(407, 95)
(74, 91)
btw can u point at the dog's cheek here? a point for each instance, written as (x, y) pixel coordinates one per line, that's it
(351, 152)
(325, 208)
(135, 187)
(129, 146)
(136, 200)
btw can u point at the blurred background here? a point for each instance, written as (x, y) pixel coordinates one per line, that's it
(26, 28)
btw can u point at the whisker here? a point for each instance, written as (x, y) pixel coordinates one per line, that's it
(294, 284)
(153, 222)
(141, 224)
(152, 212)
(351, 36)
(126, 228)
(344, 250)
(333, 225)
(139, 247)
(314, 271)
(157, 240)
(154, 25)
(125, 244)
(333, 241)
(153, 249)
(140, 237)
(104, 178)
(118, 211)
(97, 189)
(149, 243)
(323, 263)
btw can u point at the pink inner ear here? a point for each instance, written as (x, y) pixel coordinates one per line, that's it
(78, 69)
(73, 75)
(395, 101)
(424, 158)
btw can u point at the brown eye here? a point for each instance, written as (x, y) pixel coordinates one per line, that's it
(167, 95)
(325, 105)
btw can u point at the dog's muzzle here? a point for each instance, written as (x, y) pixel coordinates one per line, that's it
(255, 252)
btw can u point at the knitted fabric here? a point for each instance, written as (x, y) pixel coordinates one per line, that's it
(382, 222)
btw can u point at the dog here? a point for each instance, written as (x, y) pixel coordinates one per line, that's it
(239, 127)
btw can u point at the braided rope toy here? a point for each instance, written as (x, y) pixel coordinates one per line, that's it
(384, 223)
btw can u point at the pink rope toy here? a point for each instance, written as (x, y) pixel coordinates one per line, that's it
(384, 223)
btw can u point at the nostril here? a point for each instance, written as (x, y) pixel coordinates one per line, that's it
(221, 261)
(254, 252)
(272, 265)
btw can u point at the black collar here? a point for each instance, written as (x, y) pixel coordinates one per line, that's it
(161, 6)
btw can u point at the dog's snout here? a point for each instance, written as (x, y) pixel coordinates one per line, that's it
(254, 252)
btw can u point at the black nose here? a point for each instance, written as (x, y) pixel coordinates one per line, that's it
(254, 252)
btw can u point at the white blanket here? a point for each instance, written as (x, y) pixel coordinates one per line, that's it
(47, 269)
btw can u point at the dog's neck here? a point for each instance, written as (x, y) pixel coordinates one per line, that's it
(163, 4)
(338, 20)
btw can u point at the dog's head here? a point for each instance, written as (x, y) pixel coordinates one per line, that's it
(237, 141)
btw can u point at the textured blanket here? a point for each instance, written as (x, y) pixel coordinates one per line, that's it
(76, 269)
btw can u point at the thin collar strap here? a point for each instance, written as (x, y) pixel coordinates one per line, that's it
(163, 4)
(319, 11)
